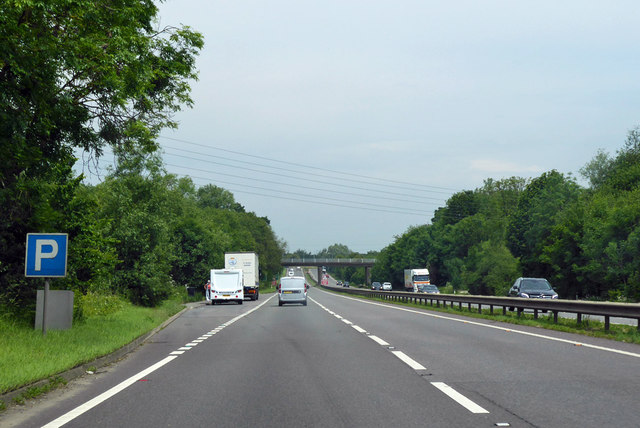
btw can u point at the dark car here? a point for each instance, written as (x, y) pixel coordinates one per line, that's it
(376, 286)
(428, 288)
(339, 284)
(346, 284)
(532, 288)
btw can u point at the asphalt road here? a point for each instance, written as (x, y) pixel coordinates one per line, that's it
(344, 362)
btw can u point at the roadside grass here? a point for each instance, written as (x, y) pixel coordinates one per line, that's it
(267, 289)
(27, 356)
(588, 327)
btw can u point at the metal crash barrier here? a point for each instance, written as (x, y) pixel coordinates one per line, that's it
(555, 306)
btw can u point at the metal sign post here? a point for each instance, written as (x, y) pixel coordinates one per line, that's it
(44, 307)
(46, 257)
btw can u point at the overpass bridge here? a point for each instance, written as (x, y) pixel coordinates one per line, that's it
(319, 262)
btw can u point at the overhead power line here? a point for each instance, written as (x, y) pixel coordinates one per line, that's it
(421, 187)
(352, 204)
(296, 186)
(344, 205)
(307, 179)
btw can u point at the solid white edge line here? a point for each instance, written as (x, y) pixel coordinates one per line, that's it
(459, 398)
(69, 416)
(510, 330)
(378, 340)
(408, 360)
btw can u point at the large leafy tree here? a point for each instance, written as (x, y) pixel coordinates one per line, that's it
(537, 213)
(78, 74)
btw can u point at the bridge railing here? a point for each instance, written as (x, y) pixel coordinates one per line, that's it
(555, 306)
(325, 262)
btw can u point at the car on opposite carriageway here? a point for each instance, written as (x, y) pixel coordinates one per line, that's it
(532, 288)
(428, 288)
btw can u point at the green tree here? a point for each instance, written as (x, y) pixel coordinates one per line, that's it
(611, 245)
(624, 174)
(537, 212)
(142, 214)
(490, 269)
(597, 169)
(77, 73)
(210, 196)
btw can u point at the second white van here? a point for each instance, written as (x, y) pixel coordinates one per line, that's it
(292, 289)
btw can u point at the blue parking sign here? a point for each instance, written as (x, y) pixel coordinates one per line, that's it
(46, 255)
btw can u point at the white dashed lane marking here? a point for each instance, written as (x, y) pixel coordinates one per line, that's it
(408, 360)
(459, 398)
(378, 340)
(359, 329)
(450, 392)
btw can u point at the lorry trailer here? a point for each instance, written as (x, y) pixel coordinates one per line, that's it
(249, 264)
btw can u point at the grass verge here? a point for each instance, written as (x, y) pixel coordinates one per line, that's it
(28, 356)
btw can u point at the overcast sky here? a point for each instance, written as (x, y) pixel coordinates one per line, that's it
(415, 99)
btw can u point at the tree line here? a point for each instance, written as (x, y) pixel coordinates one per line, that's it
(584, 240)
(88, 75)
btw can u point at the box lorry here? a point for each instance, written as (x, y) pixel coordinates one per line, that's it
(225, 285)
(248, 263)
(414, 278)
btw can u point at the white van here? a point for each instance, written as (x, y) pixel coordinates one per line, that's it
(225, 285)
(292, 289)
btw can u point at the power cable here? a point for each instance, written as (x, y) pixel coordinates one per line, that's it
(317, 168)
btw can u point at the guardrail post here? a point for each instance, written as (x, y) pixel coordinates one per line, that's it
(491, 309)
(555, 317)
(519, 311)
(535, 314)
(479, 308)
(579, 318)
(504, 310)
(460, 305)
(606, 323)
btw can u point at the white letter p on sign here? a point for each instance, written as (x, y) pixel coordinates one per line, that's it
(41, 255)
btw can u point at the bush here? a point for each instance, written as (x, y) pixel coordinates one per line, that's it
(98, 304)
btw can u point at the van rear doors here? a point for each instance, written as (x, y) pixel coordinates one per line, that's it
(292, 289)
